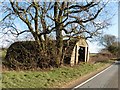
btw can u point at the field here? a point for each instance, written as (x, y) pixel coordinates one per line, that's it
(47, 79)
(93, 54)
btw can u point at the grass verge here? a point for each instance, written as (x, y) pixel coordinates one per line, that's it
(47, 79)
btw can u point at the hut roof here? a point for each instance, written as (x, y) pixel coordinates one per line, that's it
(69, 45)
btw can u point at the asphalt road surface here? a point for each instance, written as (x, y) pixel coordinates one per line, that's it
(106, 79)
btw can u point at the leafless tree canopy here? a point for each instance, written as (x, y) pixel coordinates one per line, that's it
(108, 40)
(111, 44)
(66, 19)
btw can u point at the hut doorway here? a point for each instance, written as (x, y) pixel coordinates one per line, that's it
(81, 52)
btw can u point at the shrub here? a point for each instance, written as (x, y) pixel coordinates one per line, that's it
(28, 55)
(100, 57)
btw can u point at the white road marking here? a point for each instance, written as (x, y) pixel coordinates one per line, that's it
(92, 78)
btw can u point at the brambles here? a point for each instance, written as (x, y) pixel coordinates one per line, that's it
(28, 55)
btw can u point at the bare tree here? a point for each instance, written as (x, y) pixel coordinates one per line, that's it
(108, 40)
(32, 14)
(75, 19)
(110, 43)
(67, 19)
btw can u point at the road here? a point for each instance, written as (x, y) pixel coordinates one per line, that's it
(105, 79)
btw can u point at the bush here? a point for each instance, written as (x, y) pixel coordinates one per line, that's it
(28, 55)
(100, 57)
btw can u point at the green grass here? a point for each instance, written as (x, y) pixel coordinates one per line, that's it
(93, 54)
(46, 79)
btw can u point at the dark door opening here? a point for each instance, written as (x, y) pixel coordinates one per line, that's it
(81, 52)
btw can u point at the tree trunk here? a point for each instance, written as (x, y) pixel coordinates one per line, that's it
(59, 37)
(59, 44)
(39, 41)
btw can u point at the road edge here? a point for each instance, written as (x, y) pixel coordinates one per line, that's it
(83, 78)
